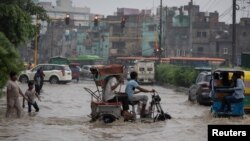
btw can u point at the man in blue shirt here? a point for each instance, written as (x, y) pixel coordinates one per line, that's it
(132, 94)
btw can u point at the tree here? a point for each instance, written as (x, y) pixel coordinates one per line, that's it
(15, 28)
(9, 59)
(16, 19)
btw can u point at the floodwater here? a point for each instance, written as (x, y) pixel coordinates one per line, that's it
(64, 114)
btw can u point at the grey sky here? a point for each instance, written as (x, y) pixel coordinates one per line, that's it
(108, 7)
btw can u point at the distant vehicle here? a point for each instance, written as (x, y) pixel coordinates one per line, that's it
(196, 61)
(129, 70)
(76, 70)
(146, 71)
(200, 90)
(59, 60)
(238, 108)
(85, 71)
(54, 73)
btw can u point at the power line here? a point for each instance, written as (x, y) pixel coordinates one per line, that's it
(206, 4)
(226, 12)
(211, 5)
(217, 4)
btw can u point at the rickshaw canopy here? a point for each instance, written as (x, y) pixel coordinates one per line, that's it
(102, 72)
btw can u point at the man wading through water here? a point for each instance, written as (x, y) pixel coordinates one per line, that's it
(13, 91)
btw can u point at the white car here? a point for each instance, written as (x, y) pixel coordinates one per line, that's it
(54, 73)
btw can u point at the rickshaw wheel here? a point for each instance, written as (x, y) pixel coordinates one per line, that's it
(108, 118)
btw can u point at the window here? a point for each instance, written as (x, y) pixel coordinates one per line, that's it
(96, 35)
(244, 34)
(141, 69)
(150, 69)
(198, 34)
(204, 34)
(65, 68)
(178, 52)
(208, 78)
(183, 52)
(151, 28)
(152, 44)
(199, 78)
(200, 49)
(57, 67)
(36, 68)
(225, 50)
(48, 67)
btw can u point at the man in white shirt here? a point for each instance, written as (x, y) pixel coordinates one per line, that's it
(110, 95)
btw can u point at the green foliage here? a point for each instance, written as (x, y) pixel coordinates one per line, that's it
(176, 75)
(16, 20)
(15, 24)
(246, 69)
(16, 27)
(9, 60)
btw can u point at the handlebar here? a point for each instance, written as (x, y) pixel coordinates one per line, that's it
(155, 93)
(156, 97)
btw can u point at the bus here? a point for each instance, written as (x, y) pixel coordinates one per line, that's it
(132, 59)
(59, 60)
(183, 61)
(196, 61)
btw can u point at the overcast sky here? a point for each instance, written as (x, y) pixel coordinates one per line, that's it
(108, 7)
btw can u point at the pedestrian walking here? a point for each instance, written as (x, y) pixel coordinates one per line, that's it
(38, 79)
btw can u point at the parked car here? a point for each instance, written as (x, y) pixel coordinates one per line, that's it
(54, 73)
(85, 71)
(200, 90)
(75, 69)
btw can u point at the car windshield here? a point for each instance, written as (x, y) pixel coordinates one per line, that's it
(87, 67)
(208, 78)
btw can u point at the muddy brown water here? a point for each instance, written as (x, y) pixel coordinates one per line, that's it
(64, 114)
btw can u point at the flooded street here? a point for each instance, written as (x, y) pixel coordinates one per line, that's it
(63, 117)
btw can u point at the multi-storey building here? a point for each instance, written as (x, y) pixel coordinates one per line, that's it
(136, 38)
(186, 31)
(191, 32)
(242, 38)
(60, 38)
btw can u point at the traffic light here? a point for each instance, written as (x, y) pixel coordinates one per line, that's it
(67, 19)
(156, 51)
(96, 21)
(123, 21)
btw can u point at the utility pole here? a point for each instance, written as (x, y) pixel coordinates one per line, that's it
(160, 35)
(191, 28)
(234, 34)
(36, 42)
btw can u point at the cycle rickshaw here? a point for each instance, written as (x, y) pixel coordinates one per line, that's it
(111, 111)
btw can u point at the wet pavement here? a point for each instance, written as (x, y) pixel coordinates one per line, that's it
(64, 111)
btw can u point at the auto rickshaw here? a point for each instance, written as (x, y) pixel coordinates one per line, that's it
(225, 88)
